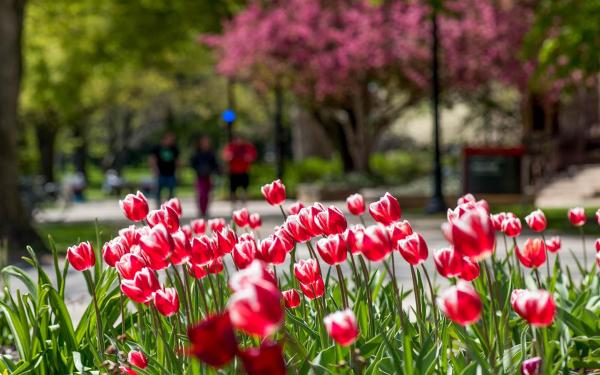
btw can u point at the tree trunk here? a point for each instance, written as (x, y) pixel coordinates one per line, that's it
(46, 133)
(81, 151)
(15, 223)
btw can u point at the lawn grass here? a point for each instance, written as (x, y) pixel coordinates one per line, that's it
(68, 234)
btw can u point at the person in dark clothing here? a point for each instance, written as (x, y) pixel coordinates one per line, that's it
(164, 162)
(204, 163)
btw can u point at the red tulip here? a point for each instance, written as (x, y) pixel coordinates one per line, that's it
(291, 298)
(553, 244)
(137, 359)
(256, 308)
(256, 272)
(536, 221)
(295, 208)
(470, 270)
(307, 270)
(157, 247)
(307, 217)
(254, 221)
(399, 231)
(272, 250)
(216, 224)
(512, 226)
(81, 256)
(461, 304)
(274, 193)
(577, 216)
(165, 216)
(226, 240)
(356, 204)
(473, 234)
(240, 217)
(198, 226)
(113, 250)
(141, 289)
(135, 207)
(130, 235)
(181, 248)
(127, 370)
(129, 265)
(386, 210)
(215, 266)
(413, 249)
(244, 253)
(332, 249)
(467, 198)
(533, 253)
(532, 366)
(535, 306)
(175, 205)
(353, 237)
(331, 221)
(213, 340)
(598, 216)
(498, 220)
(463, 208)
(296, 230)
(313, 289)
(166, 301)
(198, 271)
(187, 230)
(448, 262)
(266, 359)
(342, 327)
(202, 250)
(376, 244)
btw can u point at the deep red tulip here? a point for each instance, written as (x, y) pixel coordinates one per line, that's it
(141, 289)
(157, 247)
(215, 266)
(165, 216)
(356, 204)
(166, 301)
(213, 340)
(313, 289)
(577, 216)
(295, 208)
(216, 224)
(536, 221)
(256, 308)
(413, 249)
(461, 304)
(533, 253)
(244, 253)
(331, 221)
(272, 250)
(135, 206)
(254, 221)
(113, 250)
(241, 217)
(307, 217)
(296, 229)
(512, 226)
(399, 231)
(291, 298)
(130, 235)
(226, 240)
(535, 306)
(137, 359)
(274, 193)
(198, 271)
(342, 327)
(181, 248)
(332, 249)
(470, 270)
(175, 205)
(198, 226)
(448, 262)
(127, 370)
(129, 265)
(473, 234)
(353, 237)
(307, 270)
(386, 210)
(81, 257)
(553, 244)
(256, 272)
(202, 250)
(376, 244)
(266, 359)
(532, 366)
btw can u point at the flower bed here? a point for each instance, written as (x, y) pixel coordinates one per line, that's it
(215, 295)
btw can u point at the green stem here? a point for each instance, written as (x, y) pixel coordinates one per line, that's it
(92, 289)
(492, 299)
(432, 294)
(417, 294)
(342, 285)
(368, 293)
(585, 263)
(121, 305)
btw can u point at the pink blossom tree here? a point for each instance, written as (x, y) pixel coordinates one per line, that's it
(356, 67)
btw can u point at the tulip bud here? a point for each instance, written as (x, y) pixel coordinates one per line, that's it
(266, 359)
(181, 248)
(536, 221)
(241, 217)
(202, 250)
(256, 309)
(216, 224)
(386, 210)
(498, 220)
(81, 256)
(399, 231)
(313, 289)
(331, 221)
(307, 270)
(256, 272)
(274, 193)
(448, 262)
(376, 244)
(295, 208)
(130, 236)
(553, 244)
(213, 340)
(332, 249)
(533, 253)
(226, 240)
(198, 226)
(467, 198)
(254, 221)
(141, 289)
(175, 205)
(165, 216)
(473, 234)
(535, 306)
(342, 327)
(353, 237)
(296, 229)
(413, 249)
(577, 216)
(157, 247)
(512, 226)
(291, 298)
(461, 304)
(272, 250)
(166, 301)
(532, 366)
(129, 265)
(307, 217)
(470, 270)
(135, 207)
(113, 250)
(243, 253)
(356, 204)
(137, 359)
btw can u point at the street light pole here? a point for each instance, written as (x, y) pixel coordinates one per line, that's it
(436, 203)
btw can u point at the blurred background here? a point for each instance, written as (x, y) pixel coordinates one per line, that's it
(427, 99)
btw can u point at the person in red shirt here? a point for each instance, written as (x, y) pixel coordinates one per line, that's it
(239, 156)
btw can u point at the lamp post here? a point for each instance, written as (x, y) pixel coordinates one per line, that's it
(228, 116)
(436, 203)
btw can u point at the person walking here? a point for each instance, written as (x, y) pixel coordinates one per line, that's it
(239, 155)
(164, 162)
(204, 162)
